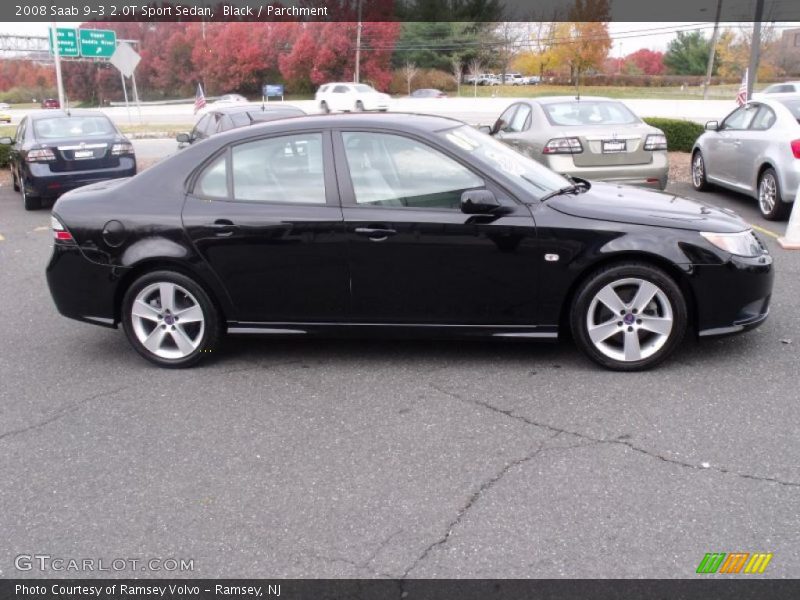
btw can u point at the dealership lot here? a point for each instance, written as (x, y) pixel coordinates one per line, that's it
(332, 458)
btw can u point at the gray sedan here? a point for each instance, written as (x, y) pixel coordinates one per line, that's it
(755, 151)
(590, 138)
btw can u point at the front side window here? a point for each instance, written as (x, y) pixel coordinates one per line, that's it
(340, 89)
(521, 119)
(392, 170)
(282, 169)
(740, 118)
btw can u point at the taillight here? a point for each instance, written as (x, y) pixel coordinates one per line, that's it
(40, 155)
(60, 232)
(122, 149)
(796, 148)
(567, 145)
(655, 141)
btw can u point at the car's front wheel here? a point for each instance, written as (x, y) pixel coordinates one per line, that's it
(323, 106)
(359, 106)
(770, 202)
(629, 317)
(699, 181)
(170, 320)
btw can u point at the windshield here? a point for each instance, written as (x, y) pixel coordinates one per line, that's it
(587, 112)
(73, 127)
(364, 89)
(534, 177)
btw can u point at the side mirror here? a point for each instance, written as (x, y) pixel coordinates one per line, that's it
(7, 141)
(497, 127)
(712, 126)
(183, 138)
(479, 202)
(485, 129)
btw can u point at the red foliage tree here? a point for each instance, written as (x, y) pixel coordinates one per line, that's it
(649, 62)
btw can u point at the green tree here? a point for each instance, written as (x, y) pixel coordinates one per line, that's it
(687, 54)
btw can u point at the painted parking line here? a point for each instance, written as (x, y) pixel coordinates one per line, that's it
(765, 231)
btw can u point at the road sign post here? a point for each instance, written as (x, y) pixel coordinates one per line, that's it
(97, 43)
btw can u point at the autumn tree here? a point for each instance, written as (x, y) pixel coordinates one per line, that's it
(647, 62)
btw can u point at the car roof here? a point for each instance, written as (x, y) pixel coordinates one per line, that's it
(50, 114)
(226, 110)
(415, 122)
(556, 99)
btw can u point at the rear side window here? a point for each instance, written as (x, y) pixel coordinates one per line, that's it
(764, 119)
(282, 169)
(213, 181)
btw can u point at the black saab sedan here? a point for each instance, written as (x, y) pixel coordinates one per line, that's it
(395, 225)
(55, 151)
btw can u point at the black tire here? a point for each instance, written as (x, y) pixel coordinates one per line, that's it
(28, 201)
(323, 106)
(207, 339)
(698, 170)
(359, 106)
(774, 209)
(612, 351)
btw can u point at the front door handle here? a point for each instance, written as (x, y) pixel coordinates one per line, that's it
(376, 234)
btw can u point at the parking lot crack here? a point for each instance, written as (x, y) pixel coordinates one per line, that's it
(483, 488)
(620, 441)
(59, 414)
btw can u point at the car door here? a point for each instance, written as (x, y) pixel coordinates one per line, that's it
(265, 215)
(724, 157)
(753, 145)
(414, 257)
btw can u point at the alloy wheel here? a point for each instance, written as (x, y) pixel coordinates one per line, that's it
(167, 320)
(698, 170)
(629, 319)
(767, 193)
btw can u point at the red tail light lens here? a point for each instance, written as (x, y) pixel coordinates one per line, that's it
(40, 155)
(796, 148)
(60, 232)
(567, 145)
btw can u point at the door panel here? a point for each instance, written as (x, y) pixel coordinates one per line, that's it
(414, 256)
(281, 253)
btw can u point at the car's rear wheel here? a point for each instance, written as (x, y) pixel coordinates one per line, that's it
(629, 316)
(30, 202)
(772, 207)
(323, 106)
(170, 320)
(699, 181)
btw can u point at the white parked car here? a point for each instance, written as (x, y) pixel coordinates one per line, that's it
(514, 79)
(354, 97)
(231, 99)
(776, 90)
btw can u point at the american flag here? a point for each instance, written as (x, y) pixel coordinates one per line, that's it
(741, 95)
(199, 99)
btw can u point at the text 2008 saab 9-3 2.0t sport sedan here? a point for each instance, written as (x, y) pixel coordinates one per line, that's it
(384, 224)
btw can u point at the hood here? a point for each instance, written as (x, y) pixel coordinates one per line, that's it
(626, 204)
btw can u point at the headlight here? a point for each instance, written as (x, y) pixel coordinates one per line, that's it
(743, 243)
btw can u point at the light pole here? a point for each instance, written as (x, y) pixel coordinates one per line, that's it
(57, 56)
(357, 74)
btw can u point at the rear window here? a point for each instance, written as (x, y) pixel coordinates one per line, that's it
(73, 127)
(586, 112)
(793, 104)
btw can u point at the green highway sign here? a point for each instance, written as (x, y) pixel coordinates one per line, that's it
(97, 43)
(67, 42)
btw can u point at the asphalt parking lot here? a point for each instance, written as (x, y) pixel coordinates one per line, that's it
(369, 459)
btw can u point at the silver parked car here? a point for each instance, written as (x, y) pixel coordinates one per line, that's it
(591, 138)
(755, 151)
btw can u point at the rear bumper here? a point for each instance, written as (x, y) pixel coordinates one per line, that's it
(41, 181)
(653, 174)
(789, 180)
(82, 289)
(732, 297)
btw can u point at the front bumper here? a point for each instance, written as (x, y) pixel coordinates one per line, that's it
(734, 296)
(652, 175)
(40, 181)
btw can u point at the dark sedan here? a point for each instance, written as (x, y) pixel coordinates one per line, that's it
(55, 151)
(396, 225)
(218, 120)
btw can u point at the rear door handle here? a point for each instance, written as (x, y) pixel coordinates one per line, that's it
(223, 227)
(376, 234)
